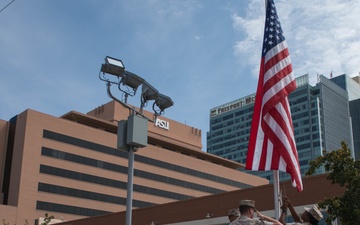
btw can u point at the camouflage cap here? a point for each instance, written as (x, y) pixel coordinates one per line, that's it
(315, 212)
(234, 212)
(250, 203)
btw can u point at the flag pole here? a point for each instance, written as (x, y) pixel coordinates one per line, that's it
(275, 175)
(276, 194)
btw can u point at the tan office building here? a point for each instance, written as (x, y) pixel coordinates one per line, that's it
(69, 167)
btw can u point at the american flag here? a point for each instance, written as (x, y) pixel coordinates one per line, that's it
(272, 144)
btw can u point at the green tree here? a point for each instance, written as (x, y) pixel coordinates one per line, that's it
(47, 219)
(343, 170)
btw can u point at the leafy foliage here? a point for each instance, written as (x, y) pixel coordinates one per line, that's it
(47, 219)
(345, 171)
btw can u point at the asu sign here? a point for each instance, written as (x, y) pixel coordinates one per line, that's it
(162, 124)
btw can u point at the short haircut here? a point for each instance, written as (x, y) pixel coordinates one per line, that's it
(244, 208)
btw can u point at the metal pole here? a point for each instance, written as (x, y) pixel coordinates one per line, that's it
(276, 194)
(130, 185)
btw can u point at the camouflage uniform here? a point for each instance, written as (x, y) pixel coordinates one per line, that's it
(244, 220)
(297, 223)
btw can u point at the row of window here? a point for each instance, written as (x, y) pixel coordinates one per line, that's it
(110, 182)
(122, 169)
(55, 189)
(69, 209)
(238, 125)
(221, 141)
(139, 158)
(237, 115)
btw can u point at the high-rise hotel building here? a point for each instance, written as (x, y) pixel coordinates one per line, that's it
(321, 120)
(69, 166)
(352, 86)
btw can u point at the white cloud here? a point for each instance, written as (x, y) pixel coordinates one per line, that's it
(248, 50)
(322, 36)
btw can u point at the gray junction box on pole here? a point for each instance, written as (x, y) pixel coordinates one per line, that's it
(132, 132)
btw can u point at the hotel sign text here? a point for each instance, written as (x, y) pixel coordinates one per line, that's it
(232, 105)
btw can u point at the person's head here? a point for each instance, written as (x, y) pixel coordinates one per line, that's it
(247, 207)
(312, 215)
(233, 214)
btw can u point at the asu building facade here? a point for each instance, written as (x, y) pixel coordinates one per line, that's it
(69, 167)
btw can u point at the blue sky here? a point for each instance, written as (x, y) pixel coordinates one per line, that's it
(200, 53)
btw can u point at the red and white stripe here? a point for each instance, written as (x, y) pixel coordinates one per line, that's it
(272, 143)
